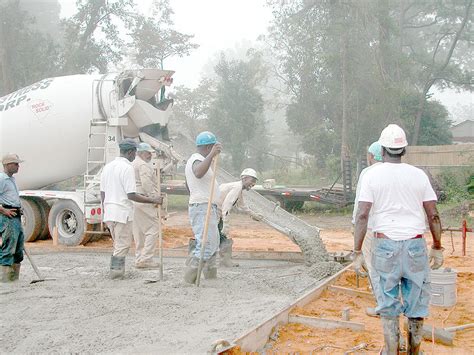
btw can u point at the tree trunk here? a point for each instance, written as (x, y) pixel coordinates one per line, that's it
(435, 72)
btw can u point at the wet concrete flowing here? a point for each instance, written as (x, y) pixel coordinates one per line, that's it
(82, 311)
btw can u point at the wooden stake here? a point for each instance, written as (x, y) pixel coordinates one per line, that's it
(55, 236)
(160, 242)
(206, 223)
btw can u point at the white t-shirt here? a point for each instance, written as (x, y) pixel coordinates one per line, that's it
(117, 180)
(356, 201)
(200, 189)
(397, 193)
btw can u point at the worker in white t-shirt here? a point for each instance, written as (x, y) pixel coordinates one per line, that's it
(199, 177)
(397, 196)
(118, 190)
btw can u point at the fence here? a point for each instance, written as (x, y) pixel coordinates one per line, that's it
(438, 157)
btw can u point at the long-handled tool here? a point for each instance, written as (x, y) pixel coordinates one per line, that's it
(160, 242)
(40, 278)
(206, 223)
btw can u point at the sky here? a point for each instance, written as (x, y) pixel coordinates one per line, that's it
(222, 24)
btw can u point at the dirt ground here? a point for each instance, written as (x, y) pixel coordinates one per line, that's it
(303, 339)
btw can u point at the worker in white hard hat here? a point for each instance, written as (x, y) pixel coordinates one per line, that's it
(230, 196)
(374, 158)
(399, 195)
(145, 219)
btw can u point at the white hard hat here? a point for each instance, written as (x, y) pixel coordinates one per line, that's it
(393, 137)
(249, 172)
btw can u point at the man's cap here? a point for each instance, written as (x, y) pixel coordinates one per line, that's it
(128, 143)
(376, 150)
(249, 172)
(145, 147)
(11, 158)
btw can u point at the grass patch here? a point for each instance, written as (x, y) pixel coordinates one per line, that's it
(178, 202)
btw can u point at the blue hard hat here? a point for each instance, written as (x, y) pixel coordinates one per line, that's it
(205, 138)
(145, 147)
(376, 150)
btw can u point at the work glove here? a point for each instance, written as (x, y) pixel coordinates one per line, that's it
(359, 263)
(436, 258)
(256, 216)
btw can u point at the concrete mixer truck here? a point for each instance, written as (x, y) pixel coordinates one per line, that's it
(70, 126)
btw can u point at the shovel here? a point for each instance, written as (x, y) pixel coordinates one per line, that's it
(40, 278)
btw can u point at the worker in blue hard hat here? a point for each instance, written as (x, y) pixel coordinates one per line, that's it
(199, 176)
(374, 158)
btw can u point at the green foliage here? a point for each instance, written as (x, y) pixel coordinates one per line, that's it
(155, 39)
(454, 184)
(435, 123)
(26, 55)
(349, 67)
(92, 39)
(236, 114)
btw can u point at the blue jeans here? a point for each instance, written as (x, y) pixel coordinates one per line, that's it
(402, 269)
(12, 240)
(197, 217)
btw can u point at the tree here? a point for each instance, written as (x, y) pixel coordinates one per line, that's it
(190, 113)
(155, 39)
(348, 65)
(92, 38)
(26, 55)
(434, 126)
(236, 114)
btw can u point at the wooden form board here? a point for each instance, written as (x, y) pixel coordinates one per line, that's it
(257, 337)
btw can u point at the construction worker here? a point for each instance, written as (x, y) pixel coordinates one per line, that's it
(199, 177)
(11, 230)
(374, 158)
(399, 195)
(145, 219)
(230, 195)
(118, 190)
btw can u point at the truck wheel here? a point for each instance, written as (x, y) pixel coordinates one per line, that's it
(31, 219)
(44, 208)
(69, 219)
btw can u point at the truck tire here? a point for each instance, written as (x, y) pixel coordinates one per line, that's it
(44, 208)
(31, 219)
(69, 219)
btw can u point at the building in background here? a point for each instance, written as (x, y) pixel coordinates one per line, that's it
(463, 132)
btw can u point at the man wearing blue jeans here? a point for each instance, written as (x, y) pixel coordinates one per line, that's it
(397, 196)
(11, 231)
(199, 177)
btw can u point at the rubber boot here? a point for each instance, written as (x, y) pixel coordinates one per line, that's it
(16, 272)
(191, 271)
(225, 253)
(191, 247)
(391, 334)
(117, 267)
(210, 268)
(415, 328)
(7, 274)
